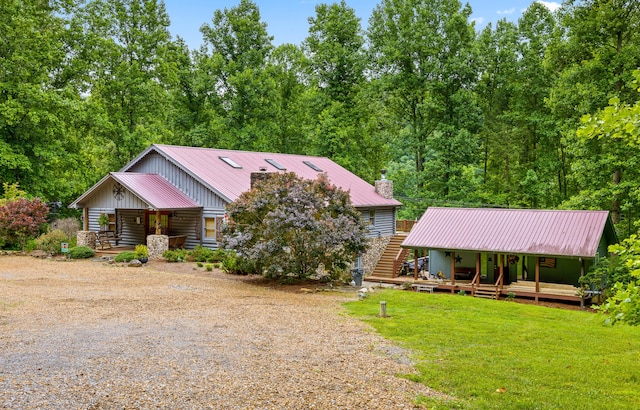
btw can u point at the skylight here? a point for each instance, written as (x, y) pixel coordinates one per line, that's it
(275, 164)
(230, 162)
(312, 166)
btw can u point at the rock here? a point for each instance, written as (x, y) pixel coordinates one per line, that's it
(39, 254)
(134, 263)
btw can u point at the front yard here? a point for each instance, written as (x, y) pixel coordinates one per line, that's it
(504, 355)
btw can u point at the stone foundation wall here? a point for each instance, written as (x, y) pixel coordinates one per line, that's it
(374, 253)
(86, 238)
(156, 245)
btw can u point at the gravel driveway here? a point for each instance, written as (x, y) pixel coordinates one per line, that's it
(89, 335)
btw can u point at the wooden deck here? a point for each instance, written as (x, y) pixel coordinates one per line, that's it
(521, 289)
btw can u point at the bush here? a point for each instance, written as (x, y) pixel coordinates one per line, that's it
(208, 267)
(70, 227)
(199, 264)
(141, 251)
(81, 252)
(51, 242)
(177, 255)
(200, 254)
(126, 256)
(237, 265)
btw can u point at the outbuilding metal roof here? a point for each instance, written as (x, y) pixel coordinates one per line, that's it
(228, 172)
(514, 231)
(153, 189)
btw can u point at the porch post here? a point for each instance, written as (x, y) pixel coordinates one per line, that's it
(415, 264)
(85, 222)
(158, 230)
(501, 265)
(581, 275)
(478, 267)
(537, 277)
(453, 270)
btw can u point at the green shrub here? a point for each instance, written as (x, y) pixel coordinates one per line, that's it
(51, 242)
(199, 264)
(216, 265)
(81, 252)
(141, 251)
(236, 265)
(177, 255)
(200, 254)
(126, 256)
(208, 267)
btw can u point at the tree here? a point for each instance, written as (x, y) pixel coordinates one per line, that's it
(622, 282)
(289, 227)
(233, 60)
(424, 55)
(22, 219)
(594, 56)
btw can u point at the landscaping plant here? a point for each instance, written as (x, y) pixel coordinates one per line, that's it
(289, 227)
(81, 252)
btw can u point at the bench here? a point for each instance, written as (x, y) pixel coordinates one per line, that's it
(104, 238)
(423, 288)
(177, 241)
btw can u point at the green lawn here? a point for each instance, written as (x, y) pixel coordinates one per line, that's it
(504, 355)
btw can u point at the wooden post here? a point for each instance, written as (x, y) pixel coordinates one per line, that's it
(383, 309)
(85, 222)
(415, 264)
(501, 267)
(477, 267)
(537, 277)
(581, 275)
(453, 270)
(158, 230)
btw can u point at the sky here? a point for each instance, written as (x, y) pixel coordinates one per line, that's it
(287, 19)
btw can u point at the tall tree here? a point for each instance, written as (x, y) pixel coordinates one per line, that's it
(236, 50)
(337, 61)
(424, 51)
(129, 44)
(38, 99)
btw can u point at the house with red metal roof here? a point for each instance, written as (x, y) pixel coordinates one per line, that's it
(497, 251)
(183, 191)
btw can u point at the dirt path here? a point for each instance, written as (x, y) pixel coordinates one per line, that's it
(88, 335)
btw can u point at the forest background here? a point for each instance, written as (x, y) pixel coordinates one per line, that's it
(539, 113)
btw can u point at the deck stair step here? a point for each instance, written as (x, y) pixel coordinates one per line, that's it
(485, 292)
(384, 267)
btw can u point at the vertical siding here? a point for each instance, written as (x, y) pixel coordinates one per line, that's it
(156, 164)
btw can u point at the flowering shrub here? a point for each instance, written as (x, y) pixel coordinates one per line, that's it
(288, 227)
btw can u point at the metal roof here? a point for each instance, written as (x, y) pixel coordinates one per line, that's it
(514, 231)
(153, 189)
(230, 182)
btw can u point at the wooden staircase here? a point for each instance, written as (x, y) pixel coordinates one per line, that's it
(385, 266)
(486, 291)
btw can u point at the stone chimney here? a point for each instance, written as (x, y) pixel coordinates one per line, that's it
(258, 177)
(384, 187)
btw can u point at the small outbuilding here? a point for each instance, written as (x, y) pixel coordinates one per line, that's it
(529, 252)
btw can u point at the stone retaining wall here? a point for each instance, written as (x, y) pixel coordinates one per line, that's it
(156, 245)
(86, 238)
(374, 253)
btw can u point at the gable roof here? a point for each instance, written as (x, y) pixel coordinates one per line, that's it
(152, 189)
(230, 178)
(514, 231)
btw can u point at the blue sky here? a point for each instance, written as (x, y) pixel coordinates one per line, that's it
(287, 19)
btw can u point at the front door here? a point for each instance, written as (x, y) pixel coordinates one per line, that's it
(150, 222)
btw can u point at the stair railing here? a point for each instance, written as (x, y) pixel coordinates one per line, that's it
(475, 283)
(398, 262)
(499, 285)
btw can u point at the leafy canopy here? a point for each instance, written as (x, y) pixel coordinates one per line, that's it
(288, 227)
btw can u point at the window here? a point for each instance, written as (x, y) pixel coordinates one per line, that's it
(372, 216)
(312, 166)
(209, 227)
(275, 164)
(230, 162)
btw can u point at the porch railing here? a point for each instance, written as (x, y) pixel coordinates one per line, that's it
(404, 225)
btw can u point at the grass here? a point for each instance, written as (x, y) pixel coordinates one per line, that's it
(491, 354)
